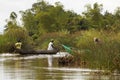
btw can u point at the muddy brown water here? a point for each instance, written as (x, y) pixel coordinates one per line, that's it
(44, 67)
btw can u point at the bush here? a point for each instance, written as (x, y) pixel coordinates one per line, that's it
(11, 37)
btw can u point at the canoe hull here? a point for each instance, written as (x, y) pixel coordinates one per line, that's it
(37, 52)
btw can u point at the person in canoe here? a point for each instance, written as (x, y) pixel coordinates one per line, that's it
(18, 49)
(18, 46)
(51, 45)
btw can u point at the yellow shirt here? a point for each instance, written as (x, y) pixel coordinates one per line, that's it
(18, 45)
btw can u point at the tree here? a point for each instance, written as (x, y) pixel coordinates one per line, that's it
(108, 20)
(13, 16)
(11, 22)
(14, 32)
(115, 20)
(94, 15)
(43, 18)
(29, 22)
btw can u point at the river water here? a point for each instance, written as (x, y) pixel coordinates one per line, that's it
(44, 67)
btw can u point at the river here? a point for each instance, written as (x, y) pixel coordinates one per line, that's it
(44, 67)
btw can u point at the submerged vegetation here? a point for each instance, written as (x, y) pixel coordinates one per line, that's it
(44, 21)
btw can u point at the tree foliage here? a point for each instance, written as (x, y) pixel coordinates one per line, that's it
(44, 18)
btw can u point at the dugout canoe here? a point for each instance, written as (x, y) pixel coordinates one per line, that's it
(36, 52)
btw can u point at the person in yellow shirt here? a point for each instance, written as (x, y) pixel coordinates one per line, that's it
(18, 45)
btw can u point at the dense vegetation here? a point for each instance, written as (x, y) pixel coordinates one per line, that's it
(44, 21)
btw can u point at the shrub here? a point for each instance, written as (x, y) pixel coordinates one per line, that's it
(11, 37)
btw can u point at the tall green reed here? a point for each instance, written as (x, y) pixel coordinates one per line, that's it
(100, 55)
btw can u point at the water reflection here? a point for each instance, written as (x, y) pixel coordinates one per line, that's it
(44, 67)
(15, 70)
(50, 60)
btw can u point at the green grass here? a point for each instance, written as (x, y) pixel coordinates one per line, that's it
(103, 55)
